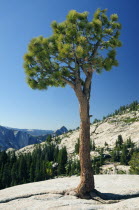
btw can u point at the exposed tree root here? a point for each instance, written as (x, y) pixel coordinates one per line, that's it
(98, 196)
(94, 195)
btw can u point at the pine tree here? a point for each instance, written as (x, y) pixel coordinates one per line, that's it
(14, 174)
(134, 163)
(56, 154)
(76, 50)
(124, 155)
(93, 146)
(6, 178)
(113, 155)
(97, 168)
(62, 160)
(119, 141)
(37, 171)
(22, 170)
(68, 167)
(77, 147)
(32, 173)
(49, 138)
(129, 143)
(49, 170)
(101, 157)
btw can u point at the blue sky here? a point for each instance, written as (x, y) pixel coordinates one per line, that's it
(23, 107)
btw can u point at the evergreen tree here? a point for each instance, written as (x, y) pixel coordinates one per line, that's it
(22, 170)
(49, 138)
(6, 179)
(97, 168)
(76, 50)
(124, 155)
(118, 155)
(37, 171)
(32, 173)
(96, 165)
(56, 151)
(31, 167)
(77, 147)
(93, 146)
(106, 144)
(50, 152)
(73, 167)
(113, 155)
(134, 106)
(3, 157)
(119, 141)
(68, 167)
(49, 170)
(134, 163)
(62, 160)
(129, 143)
(101, 157)
(14, 174)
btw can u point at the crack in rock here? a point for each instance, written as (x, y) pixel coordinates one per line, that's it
(28, 196)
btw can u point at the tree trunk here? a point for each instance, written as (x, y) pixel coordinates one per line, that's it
(87, 179)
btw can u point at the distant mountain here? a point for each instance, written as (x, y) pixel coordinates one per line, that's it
(60, 131)
(15, 139)
(38, 132)
(34, 132)
(19, 138)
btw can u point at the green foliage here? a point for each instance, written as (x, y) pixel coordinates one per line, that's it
(134, 163)
(96, 165)
(113, 156)
(49, 169)
(114, 17)
(58, 139)
(44, 163)
(123, 151)
(73, 167)
(93, 146)
(106, 144)
(62, 160)
(119, 141)
(124, 155)
(101, 157)
(130, 120)
(134, 106)
(129, 143)
(96, 120)
(77, 146)
(121, 172)
(49, 139)
(76, 44)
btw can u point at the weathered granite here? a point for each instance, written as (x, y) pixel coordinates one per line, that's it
(50, 194)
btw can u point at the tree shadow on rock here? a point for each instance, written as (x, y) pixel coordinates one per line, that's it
(108, 198)
(112, 196)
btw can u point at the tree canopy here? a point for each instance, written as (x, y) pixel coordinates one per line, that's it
(77, 48)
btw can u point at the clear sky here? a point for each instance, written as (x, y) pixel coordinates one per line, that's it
(23, 107)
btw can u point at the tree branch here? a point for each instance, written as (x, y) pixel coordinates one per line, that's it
(68, 65)
(87, 85)
(94, 51)
(68, 82)
(84, 70)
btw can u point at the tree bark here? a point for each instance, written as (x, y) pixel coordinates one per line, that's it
(87, 179)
